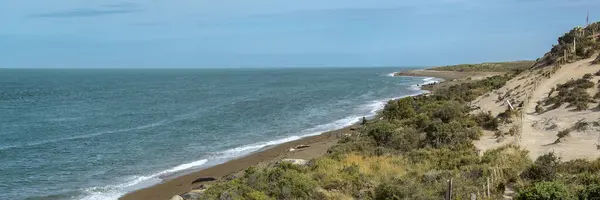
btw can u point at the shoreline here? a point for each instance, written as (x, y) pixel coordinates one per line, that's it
(318, 146)
(446, 75)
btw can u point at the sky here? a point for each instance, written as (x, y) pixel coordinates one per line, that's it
(280, 33)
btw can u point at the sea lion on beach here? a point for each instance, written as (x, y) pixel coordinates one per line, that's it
(204, 179)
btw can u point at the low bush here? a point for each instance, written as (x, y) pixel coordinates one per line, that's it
(563, 133)
(546, 191)
(581, 125)
(544, 168)
(591, 192)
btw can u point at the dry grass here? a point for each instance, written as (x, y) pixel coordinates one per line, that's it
(333, 195)
(377, 166)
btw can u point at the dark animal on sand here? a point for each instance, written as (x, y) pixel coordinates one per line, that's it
(204, 179)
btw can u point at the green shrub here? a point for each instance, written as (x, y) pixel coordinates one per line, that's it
(406, 139)
(449, 111)
(381, 132)
(398, 189)
(399, 109)
(545, 191)
(258, 195)
(544, 168)
(579, 166)
(486, 120)
(591, 192)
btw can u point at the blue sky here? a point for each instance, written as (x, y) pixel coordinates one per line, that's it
(280, 33)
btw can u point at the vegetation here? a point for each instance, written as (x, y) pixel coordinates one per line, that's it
(572, 92)
(488, 67)
(421, 142)
(546, 191)
(581, 125)
(487, 121)
(578, 43)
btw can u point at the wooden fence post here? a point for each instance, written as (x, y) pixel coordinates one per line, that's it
(449, 192)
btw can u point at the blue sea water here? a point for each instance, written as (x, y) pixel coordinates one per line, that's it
(99, 133)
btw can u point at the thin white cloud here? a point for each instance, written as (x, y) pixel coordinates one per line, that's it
(109, 9)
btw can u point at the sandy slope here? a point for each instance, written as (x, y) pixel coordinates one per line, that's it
(524, 91)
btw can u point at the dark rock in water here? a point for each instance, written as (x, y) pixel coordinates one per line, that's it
(204, 179)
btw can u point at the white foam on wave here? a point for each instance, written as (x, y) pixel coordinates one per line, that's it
(112, 192)
(426, 81)
(431, 80)
(243, 150)
(392, 74)
(316, 130)
(415, 87)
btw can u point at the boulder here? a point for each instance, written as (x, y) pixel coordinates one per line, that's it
(194, 194)
(296, 161)
(176, 197)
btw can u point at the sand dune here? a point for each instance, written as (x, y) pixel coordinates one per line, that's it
(539, 131)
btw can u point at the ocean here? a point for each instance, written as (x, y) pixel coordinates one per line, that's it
(100, 133)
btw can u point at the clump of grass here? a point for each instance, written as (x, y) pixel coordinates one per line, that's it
(507, 115)
(563, 133)
(581, 125)
(514, 130)
(378, 166)
(551, 91)
(498, 134)
(552, 127)
(486, 120)
(572, 92)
